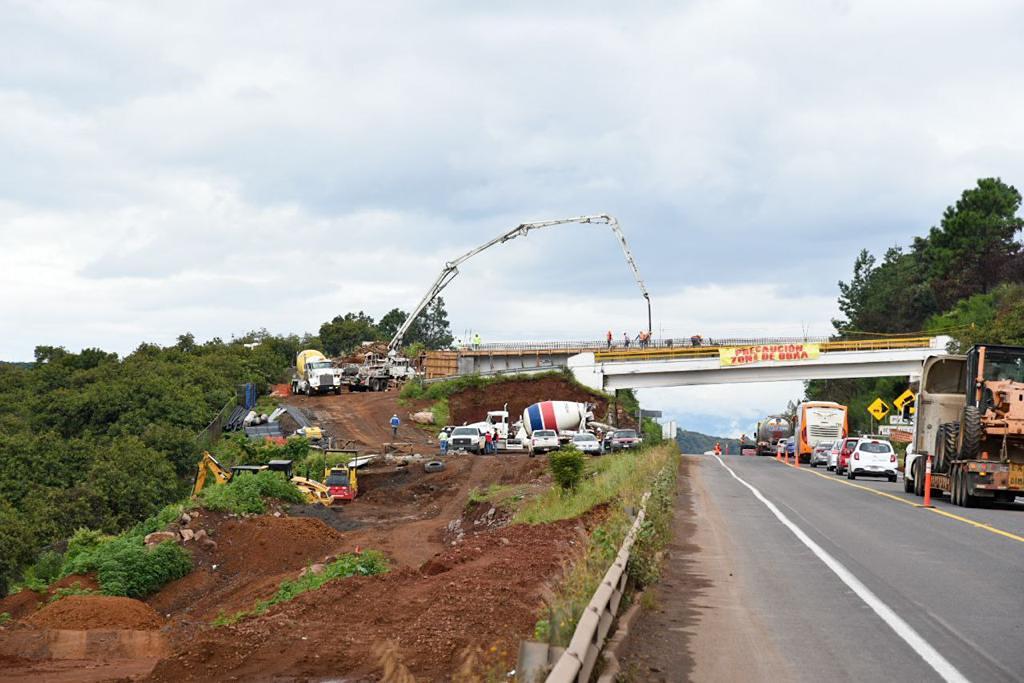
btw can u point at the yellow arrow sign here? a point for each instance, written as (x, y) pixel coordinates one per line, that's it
(907, 396)
(879, 409)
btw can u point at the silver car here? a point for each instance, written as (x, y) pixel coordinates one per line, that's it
(819, 456)
(585, 442)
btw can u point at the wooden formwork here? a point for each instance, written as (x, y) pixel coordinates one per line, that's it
(441, 364)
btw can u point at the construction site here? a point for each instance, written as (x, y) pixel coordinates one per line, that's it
(465, 584)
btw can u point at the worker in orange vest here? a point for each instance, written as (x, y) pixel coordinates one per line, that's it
(609, 338)
(718, 448)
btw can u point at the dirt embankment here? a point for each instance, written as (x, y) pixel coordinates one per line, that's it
(471, 405)
(96, 612)
(363, 419)
(26, 602)
(484, 593)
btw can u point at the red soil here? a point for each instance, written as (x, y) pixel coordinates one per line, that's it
(25, 602)
(471, 405)
(484, 593)
(82, 612)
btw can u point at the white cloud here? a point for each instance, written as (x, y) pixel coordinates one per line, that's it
(216, 167)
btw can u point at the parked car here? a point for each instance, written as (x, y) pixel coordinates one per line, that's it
(748, 449)
(467, 438)
(872, 458)
(790, 447)
(625, 439)
(586, 442)
(780, 447)
(819, 455)
(543, 441)
(843, 458)
(833, 454)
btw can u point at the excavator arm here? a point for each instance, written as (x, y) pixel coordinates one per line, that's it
(451, 268)
(209, 466)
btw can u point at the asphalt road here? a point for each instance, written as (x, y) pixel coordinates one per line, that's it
(877, 586)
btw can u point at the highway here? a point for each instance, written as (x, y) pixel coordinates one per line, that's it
(796, 574)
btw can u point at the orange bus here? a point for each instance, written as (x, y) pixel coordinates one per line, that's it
(818, 421)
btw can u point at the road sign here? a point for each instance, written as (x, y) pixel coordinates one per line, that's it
(879, 409)
(900, 421)
(650, 413)
(907, 396)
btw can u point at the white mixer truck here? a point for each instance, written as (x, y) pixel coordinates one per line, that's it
(314, 374)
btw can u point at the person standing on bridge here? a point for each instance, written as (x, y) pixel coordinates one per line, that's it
(625, 339)
(476, 340)
(394, 426)
(608, 337)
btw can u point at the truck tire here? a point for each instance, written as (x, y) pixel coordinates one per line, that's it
(967, 499)
(908, 482)
(952, 435)
(433, 466)
(942, 449)
(971, 433)
(918, 468)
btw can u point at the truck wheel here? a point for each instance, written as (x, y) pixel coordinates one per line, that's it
(908, 483)
(968, 499)
(971, 433)
(941, 464)
(309, 390)
(956, 492)
(918, 469)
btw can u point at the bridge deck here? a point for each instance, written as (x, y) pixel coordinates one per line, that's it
(684, 352)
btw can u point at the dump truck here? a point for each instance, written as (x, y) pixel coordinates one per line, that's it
(314, 374)
(970, 421)
(379, 373)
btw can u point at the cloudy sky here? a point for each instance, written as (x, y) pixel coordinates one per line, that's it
(216, 167)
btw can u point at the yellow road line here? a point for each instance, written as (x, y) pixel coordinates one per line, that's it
(970, 522)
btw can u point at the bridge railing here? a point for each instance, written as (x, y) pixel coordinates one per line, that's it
(513, 347)
(711, 351)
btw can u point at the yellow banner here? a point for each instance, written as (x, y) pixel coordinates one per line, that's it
(748, 355)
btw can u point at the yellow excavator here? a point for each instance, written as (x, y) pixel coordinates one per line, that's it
(209, 466)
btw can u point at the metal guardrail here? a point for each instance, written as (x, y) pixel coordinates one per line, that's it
(577, 662)
(672, 353)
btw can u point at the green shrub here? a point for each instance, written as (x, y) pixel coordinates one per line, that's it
(245, 493)
(567, 466)
(81, 546)
(128, 568)
(4, 618)
(44, 571)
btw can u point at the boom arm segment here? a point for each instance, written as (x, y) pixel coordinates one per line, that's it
(451, 268)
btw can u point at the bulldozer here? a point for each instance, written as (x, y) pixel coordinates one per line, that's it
(209, 466)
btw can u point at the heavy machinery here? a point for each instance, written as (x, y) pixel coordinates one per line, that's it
(314, 374)
(314, 491)
(451, 268)
(342, 483)
(970, 420)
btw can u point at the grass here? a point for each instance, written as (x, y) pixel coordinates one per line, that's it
(417, 389)
(624, 475)
(74, 589)
(622, 478)
(507, 496)
(5, 617)
(368, 563)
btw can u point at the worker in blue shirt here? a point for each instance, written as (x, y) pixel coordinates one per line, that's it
(394, 426)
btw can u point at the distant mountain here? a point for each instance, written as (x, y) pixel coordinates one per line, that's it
(695, 442)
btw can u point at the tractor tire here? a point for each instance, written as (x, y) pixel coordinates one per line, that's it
(971, 433)
(942, 450)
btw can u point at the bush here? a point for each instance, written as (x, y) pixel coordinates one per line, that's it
(45, 570)
(567, 466)
(244, 494)
(128, 568)
(80, 549)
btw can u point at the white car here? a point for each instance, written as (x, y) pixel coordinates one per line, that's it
(585, 442)
(872, 458)
(543, 440)
(467, 439)
(908, 469)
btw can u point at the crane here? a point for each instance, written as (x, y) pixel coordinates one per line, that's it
(451, 268)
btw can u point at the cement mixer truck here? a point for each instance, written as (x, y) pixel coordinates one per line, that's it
(314, 374)
(565, 417)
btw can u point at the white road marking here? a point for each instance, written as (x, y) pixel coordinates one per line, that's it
(930, 655)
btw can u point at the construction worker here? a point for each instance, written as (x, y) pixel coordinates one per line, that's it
(718, 448)
(476, 340)
(625, 339)
(488, 443)
(442, 441)
(609, 338)
(394, 426)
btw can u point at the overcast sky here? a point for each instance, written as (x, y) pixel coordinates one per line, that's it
(216, 167)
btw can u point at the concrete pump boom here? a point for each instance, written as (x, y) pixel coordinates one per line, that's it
(451, 268)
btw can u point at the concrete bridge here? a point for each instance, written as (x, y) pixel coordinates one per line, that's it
(608, 370)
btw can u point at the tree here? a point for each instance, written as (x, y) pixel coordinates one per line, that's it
(437, 333)
(974, 247)
(132, 481)
(343, 334)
